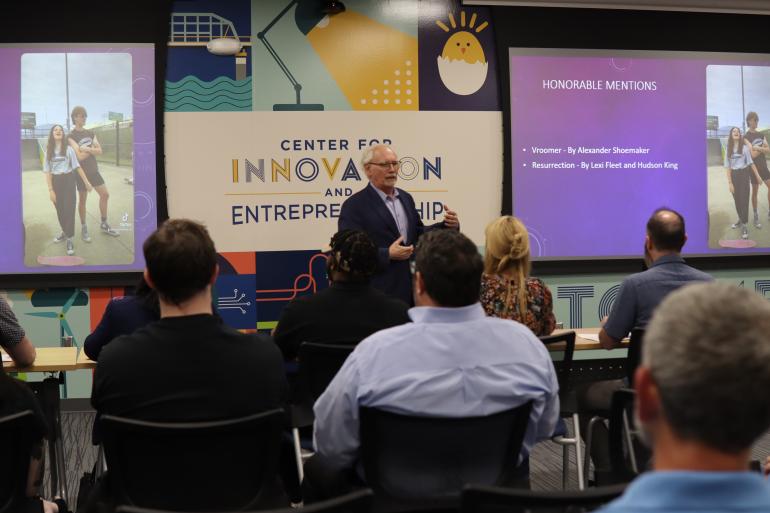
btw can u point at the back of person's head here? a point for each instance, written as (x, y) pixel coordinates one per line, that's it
(666, 230)
(353, 256)
(450, 266)
(707, 349)
(180, 259)
(147, 296)
(507, 251)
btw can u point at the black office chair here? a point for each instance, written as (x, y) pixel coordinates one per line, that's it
(413, 462)
(628, 455)
(359, 501)
(491, 499)
(195, 466)
(318, 364)
(634, 356)
(562, 362)
(15, 451)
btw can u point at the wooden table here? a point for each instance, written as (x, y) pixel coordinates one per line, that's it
(583, 344)
(84, 362)
(49, 359)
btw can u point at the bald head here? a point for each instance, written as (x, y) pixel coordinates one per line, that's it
(665, 229)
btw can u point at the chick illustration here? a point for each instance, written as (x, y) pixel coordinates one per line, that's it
(463, 46)
(462, 66)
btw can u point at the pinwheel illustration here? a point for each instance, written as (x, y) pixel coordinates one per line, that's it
(64, 327)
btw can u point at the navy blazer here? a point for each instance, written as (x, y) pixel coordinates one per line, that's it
(366, 211)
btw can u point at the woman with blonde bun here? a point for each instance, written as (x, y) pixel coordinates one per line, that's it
(507, 290)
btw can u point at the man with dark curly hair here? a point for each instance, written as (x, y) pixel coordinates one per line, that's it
(350, 309)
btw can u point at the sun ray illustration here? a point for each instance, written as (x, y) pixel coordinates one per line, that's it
(462, 64)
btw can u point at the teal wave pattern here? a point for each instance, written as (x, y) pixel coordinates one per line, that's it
(223, 94)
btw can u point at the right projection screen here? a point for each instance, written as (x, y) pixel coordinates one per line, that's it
(601, 138)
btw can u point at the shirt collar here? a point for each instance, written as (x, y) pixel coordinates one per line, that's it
(382, 195)
(447, 314)
(668, 259)
(700, 491)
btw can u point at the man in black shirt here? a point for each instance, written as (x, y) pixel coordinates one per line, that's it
(188, 366)
(759, 152)
(86, 147)
(350, 309)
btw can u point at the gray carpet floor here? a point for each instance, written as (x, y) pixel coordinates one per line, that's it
(545, 460)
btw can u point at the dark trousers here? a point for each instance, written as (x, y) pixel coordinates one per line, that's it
(594, 399)
(64, 187)
(742, 183)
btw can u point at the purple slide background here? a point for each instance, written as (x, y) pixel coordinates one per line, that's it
(603, 212)
(143, 70)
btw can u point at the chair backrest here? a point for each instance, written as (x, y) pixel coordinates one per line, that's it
(634, 353)
(628, 455)
(318, 364)
(15, 451)
(407, 457)
(195, 466)
(491, 499)
(562, 358)
(359, 501)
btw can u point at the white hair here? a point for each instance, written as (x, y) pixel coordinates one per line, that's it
(368, 154)
(708, 350)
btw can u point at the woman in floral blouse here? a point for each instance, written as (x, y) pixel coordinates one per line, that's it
(507, 291)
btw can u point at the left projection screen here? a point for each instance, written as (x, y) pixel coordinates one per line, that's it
(77, 139)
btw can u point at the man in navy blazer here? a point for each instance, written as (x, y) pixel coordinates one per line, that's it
(388, 215)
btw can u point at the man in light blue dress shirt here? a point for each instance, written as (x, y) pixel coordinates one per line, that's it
(452, 360)
(702, 400)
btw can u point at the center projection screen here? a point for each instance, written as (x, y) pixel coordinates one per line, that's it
(601, 138)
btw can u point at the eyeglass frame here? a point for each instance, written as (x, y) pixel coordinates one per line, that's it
(387, 165)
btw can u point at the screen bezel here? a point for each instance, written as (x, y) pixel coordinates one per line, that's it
(597, 29)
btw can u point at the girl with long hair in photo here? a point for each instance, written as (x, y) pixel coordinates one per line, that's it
(59, 167)
(740, 168)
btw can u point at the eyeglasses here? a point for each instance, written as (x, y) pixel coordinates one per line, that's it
(394, 164)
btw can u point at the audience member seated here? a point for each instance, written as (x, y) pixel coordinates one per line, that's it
(452, 361)
(188, 366)
(702, 402)
(123, 316)
(639, 295)
(350, 309)
(16, 397)
(13, 339)
(507, 290)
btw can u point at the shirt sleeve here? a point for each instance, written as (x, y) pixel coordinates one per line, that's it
(74, 163)
(747, 155)
(336, 427)
(549, 319)
(286, 333)
(102, 334)
(623, 315)
(11, 333)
